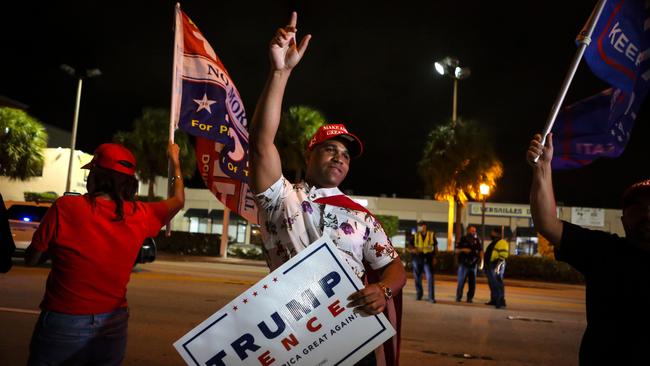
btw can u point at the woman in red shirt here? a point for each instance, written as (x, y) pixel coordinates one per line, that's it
(93, 241)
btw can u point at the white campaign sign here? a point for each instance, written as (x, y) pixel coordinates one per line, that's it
(296, 315)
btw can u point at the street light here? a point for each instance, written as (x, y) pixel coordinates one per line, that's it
(485, 191)
(80, 76)
(450, 67)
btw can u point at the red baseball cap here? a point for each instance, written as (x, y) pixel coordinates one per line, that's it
(330, 131)
(114, 157)
(637, 188)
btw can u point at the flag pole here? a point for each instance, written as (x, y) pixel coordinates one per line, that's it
(173, 113)
(583, 39)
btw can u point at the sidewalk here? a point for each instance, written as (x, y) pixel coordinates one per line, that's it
(438, 277)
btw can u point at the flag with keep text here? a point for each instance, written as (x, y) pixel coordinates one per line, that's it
(601, 125)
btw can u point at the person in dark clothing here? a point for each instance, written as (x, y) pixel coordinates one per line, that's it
(616, 269)
(7, 245)
(470, 252)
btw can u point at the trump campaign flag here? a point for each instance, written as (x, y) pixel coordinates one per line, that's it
(620, 44)
(207, 105)
(600, 126)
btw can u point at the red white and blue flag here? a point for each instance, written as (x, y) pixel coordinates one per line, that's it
(601, 125)
(207, 105)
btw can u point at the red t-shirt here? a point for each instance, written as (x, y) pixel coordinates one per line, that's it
(92, 255)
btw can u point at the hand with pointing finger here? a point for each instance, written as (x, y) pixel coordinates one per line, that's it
(284, 51)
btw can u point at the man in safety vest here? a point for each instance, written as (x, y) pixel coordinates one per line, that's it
(424, 248)
(496, 254)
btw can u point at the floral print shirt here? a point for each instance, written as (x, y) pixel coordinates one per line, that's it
(290, 221)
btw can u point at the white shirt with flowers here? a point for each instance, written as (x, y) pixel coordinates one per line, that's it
(290, 221)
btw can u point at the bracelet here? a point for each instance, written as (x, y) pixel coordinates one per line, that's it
(177, 177)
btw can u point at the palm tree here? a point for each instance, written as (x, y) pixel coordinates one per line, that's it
(457, 159)
(23, 139)
(148, 142)
(297, 126)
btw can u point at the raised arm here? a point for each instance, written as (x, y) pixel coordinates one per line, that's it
(284, 54)
(542, 198)
(177, 201)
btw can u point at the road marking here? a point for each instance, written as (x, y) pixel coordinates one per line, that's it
(22, 311)
(511, 317)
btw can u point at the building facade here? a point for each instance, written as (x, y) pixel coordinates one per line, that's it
(203, 213)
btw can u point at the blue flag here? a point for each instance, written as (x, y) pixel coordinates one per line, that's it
(620, 44)
(600, 126)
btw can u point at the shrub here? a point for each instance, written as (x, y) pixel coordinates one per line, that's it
(184, 243)
(245, 252)
(518, 267)
(40, 196)
(390, 224)
(148, 199)
(540, 268)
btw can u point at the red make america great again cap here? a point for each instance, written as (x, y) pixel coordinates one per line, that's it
(330, 131)
(114, 157)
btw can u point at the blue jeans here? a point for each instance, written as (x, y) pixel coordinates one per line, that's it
(65, 339)
(466, 274)
(495, 281)
(419, 263)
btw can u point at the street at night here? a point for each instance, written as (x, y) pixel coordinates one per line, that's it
(542, 324)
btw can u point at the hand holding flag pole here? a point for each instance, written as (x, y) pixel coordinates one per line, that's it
(583, 39)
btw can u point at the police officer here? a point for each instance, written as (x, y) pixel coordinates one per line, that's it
(423, 248)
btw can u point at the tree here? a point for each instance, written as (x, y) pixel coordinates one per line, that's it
(148, 142)
(23, 139)
(457, 159)
(297, 126)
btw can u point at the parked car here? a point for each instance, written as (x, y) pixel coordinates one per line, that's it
(24, 218)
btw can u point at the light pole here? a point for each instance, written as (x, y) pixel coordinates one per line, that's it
(485, 191)
(80, 76)
(450, 67)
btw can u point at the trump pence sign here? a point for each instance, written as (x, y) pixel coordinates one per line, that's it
(296, 315)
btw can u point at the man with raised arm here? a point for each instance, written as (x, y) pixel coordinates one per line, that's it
(295, 215)
(616, 269)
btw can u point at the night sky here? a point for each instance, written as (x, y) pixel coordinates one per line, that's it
(369, 65)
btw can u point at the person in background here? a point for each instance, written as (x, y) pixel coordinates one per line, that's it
(7, 245)
(496, 254)
(93, 241)
(424, 248)
(470, 252)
